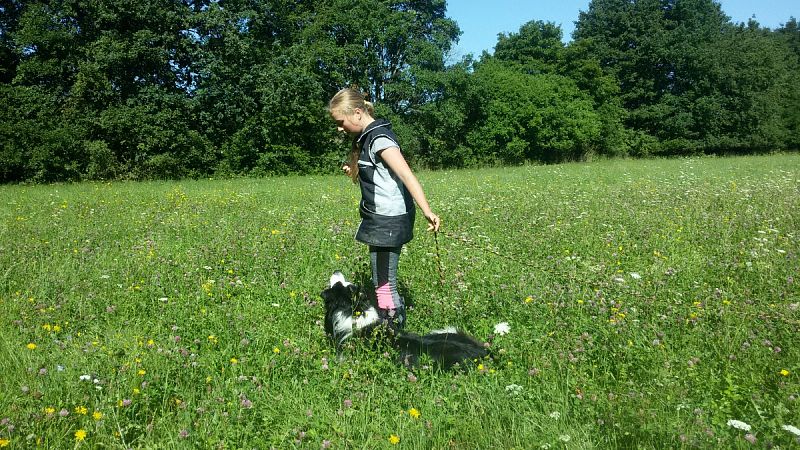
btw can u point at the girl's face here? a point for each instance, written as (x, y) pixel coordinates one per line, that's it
(349, 123)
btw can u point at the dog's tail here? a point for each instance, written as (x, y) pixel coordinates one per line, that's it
(446, 347)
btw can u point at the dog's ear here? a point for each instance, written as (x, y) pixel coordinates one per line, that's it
(326, 295)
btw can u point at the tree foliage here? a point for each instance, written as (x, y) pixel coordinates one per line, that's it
(115, 89)
(690, 80)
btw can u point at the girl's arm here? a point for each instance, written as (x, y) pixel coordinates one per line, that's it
(394, 159)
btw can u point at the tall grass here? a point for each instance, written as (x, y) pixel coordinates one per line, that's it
(650, 303)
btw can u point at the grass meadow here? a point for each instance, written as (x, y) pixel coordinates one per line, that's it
(651, 304)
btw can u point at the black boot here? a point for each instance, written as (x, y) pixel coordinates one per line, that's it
(394, 319)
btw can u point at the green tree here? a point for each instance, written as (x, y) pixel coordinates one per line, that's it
(9, 17)
(789, 33)
(383, 46)
(689, 79)
(538, 49)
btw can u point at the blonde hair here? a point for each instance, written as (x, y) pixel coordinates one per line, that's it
(346, 101)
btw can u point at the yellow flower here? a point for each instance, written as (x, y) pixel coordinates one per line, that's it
(394, 439)
(31, 346)
(4, 442)
(81, 410)
(414, 413)
(49, 410)
(80, 435)
(141, 372)
(528, 299)
(480, 366)
(234, 360)
(136, 391)
(785, 372)
(276, 350)
(97, 415)
(56, 328)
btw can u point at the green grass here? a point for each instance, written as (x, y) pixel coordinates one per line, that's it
(649, 302)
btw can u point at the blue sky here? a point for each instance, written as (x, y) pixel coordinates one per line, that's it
(482, 20)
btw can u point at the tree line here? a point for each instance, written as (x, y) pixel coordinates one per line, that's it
(146, 89)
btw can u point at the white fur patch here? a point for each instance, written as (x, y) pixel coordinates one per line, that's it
(445, 330)
(342, 326)
(367, 318)
(338, 277)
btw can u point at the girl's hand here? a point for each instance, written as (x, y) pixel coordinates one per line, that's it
(433, 222)
(346, 169)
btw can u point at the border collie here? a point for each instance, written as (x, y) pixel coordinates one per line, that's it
(446, 347)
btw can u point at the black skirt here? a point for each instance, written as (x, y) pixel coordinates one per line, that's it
(385, 231)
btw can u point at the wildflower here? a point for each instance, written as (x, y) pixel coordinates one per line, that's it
(750, 438)
(326, 444)
(513, 389)
(276, 350)
(63, 412)
(792, 429)
(414, 413)
(141, 372)
(394, 439)
(4, 442)
(635, 276)
(564, 438)
(347, 403)
(502, 328)
(81, 410)
(412, 378)
(247, 403)
(528, 299)
(31, 346)
(49, 410)
(739, 425)
(234, 360)
(555, 415)
(80, 435)
(125, 402)
(785, 373)
(97, 415)
(183, 434)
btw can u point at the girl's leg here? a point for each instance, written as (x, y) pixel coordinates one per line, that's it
(384, 277)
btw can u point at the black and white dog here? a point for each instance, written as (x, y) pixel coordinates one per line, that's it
(446, 347)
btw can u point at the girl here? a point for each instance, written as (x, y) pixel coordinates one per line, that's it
(388, 192)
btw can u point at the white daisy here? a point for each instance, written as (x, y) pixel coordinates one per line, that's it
(635, 276)
(502, 328)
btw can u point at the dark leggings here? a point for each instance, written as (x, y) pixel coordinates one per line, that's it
(384, 276)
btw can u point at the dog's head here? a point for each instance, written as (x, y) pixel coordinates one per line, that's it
(341, 294)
